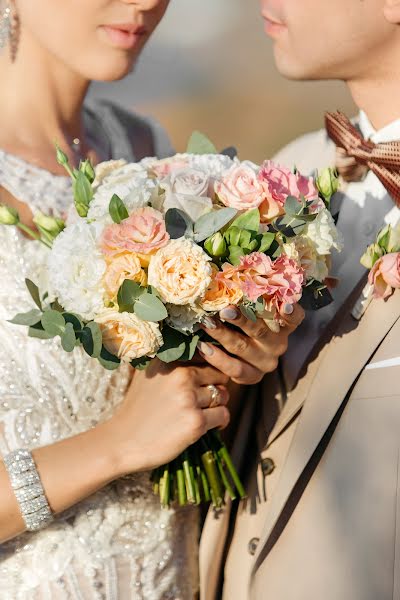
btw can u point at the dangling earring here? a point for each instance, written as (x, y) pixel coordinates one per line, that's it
(14, 31)
(9, 27)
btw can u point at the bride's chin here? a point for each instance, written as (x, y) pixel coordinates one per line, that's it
(114, 71)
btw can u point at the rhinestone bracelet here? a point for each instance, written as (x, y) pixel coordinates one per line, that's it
(28, 489)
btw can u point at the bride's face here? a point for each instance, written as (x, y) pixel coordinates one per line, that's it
(329, 39)
(99, 39)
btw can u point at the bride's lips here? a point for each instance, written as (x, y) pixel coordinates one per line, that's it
(273, 27)
(124, 35)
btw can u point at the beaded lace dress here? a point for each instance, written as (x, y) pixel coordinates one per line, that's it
(117, 544)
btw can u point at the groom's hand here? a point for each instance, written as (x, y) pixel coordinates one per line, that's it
(249, 352)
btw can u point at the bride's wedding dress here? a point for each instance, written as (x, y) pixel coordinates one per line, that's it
(118, 544)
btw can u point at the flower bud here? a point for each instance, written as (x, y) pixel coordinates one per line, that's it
(49, 227)
(372, 254)
(393, 243)
(87, 168)
(62, 158)
(8, 215)
(215, 245)
(327, 182)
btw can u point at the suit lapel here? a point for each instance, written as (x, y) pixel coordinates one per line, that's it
(339, 367)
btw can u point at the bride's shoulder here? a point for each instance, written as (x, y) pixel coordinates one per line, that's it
(133, 136)
(310, 151)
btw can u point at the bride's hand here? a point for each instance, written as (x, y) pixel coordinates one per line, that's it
(253, 351)
(165, 410)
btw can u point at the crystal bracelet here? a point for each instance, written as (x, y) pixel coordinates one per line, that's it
(28, 489)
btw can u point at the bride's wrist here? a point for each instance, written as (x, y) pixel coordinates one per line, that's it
(120, 449)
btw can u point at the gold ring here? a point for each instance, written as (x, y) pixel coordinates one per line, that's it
(215, 396)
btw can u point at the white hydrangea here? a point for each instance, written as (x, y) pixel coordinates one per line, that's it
(131, 183)
(76, 268)
(184, 318)
(324, 233)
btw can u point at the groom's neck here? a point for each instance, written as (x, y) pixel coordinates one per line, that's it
(378, 97)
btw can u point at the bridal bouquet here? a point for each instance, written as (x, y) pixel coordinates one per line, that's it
(156, 247)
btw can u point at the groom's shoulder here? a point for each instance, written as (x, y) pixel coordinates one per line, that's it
(311, 151)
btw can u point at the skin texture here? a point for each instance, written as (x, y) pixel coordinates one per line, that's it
(356, 41)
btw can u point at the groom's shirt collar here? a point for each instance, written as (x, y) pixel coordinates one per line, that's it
(389, 133)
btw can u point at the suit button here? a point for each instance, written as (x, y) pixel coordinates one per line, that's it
(267, 466)
(252, 545)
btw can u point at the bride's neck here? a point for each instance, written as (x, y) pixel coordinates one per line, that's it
(41, 102)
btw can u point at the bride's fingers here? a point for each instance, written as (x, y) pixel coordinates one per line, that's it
(216, 418)
(238, 370)
(205, 396)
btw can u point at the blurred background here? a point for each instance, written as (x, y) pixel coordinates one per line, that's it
(210, 67)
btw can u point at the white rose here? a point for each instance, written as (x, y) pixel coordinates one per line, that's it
(304, 252)
(324, 234)
(76, 268)
(127, 336)
(181, 272)
(191, 182)
(184, 318)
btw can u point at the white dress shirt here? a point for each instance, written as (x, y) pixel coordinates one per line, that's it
(365, 208)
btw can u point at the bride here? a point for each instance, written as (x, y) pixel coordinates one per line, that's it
(75, 523)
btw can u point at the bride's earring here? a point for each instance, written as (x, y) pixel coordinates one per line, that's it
(9, 27)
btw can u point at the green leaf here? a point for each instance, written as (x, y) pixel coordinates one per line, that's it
(178, 223)
(174, 345)
(150, 308)
(212, 222)
(37, 331)
(29, 318)
(235, 252)
(292, 206)
(83, 193)
(57, 306)
(315, 296)
(53, 322)
(92, 339)
(128, 293)
(266, 241)
(117, 209)
(248, 313)
(34, 292)
(75, 321)
(68, 338)
(108, 360)
(260, 305)
(200, 144)
(140, 364)
(249, 220)
(232, 235)
(191, 347)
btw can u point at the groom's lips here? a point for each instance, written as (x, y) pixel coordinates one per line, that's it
(273, 27)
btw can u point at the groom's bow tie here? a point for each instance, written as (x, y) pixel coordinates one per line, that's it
(355, 155)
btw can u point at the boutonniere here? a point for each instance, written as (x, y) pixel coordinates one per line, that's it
(382, 258)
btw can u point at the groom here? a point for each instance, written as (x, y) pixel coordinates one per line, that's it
(322, 516)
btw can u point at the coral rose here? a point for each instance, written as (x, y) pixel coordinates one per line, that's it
(124, 266)
(385, 275)
(221, 292)
(127, 336)
(181, 272)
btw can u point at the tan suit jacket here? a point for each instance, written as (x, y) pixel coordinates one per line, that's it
(324, 522)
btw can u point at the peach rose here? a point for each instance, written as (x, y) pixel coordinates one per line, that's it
(143, 232)
(124, 266)
(385, 275)
(126, 336)
(240, 188)
(181, 272)
(221, 292)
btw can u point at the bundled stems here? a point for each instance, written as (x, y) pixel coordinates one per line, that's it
(203, 473)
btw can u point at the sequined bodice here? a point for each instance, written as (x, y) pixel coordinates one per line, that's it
(117, 544)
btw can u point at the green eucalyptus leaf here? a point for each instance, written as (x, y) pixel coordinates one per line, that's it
(260, 305)
(29, 318)
(178, 223)
(108, 360)
(235, 252)
(92, 339)
(83, 193)
(191, 347)
(174, 345)
(37, 331)
(53, 322)
(117, 209)
(292, 206)
(150, 308)
(74, 319)
(200, 144)
(128, 293)
(68, 338)
(212, 222)
(34, 292)
(248, 313)
(249, 220)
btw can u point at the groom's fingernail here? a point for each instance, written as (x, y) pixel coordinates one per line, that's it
(206, 349)
(209, 323)
(288, 309)
(230, 314)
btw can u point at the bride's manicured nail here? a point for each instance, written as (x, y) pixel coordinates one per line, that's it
(206, 349)
(209, 323)
(230, 314)
(288, 309)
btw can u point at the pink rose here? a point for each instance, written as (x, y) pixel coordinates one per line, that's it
(385, 275)
(240, 188)
(281, 183)
(166, 166)
(143, 232)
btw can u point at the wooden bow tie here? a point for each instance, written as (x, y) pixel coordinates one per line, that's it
(356, 155)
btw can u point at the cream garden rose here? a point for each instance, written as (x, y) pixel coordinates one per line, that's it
(127, 336)
(124, 266)
(180, 272)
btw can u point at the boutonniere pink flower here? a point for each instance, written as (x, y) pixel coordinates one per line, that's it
(382, 258)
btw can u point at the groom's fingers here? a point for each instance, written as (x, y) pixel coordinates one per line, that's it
(254, 329)
(294, 319)
(238, 370)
